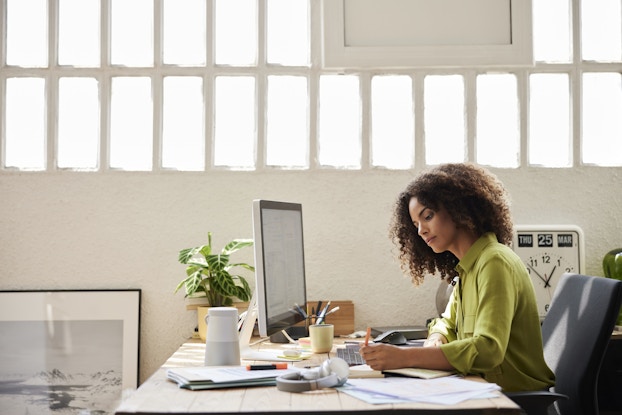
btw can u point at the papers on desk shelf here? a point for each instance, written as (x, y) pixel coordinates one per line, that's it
(449, 390)
(214, 377)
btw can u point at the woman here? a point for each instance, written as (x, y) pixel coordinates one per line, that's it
(454, 220)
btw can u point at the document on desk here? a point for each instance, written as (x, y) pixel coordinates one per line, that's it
(447, 390)
(415, 372)
(214, 377)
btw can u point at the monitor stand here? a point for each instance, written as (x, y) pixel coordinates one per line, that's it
(246, 332)
(294, 333)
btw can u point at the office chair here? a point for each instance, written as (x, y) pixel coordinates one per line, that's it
(575, 334)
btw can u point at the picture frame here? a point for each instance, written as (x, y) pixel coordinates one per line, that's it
(68, 351)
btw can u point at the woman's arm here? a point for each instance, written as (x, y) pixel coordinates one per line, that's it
(386, 356)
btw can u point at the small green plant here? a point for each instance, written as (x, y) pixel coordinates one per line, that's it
(210, 274)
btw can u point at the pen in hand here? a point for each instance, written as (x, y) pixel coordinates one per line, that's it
(367, 334)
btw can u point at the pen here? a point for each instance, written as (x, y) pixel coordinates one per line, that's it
(267, 367)
(301, 311)
(332, 311)
(367, 334)
(323, 313)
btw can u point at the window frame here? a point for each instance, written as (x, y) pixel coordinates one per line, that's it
(338, 54)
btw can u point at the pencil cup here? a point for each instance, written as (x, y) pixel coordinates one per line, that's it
(321, 337)
(222, 346)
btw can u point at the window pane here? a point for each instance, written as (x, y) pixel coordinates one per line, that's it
(131, 124)
(498, 131)
(132, 32)
(288, 32)
(392, 122)
(183, 138)
(340, 118)
(234, 121)
(25, 123)
(549, 120)
(184, 32)
(551, 30)
(602, 124)
(287, 123)
(444, 119)
(78, 123)
(78, 32)
(601, 30)
(27, 40)
(235, 28)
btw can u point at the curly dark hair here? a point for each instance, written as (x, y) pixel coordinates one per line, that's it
(473, 197)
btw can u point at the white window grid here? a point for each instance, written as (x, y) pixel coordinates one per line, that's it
(313, 73)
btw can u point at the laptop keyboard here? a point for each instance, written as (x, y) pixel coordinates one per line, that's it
(351, 354)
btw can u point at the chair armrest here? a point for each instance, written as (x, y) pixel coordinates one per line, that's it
(535, 402)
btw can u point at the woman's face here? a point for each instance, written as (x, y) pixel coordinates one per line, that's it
(436, 227)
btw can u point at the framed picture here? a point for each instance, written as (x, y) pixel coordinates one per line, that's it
(70, 351)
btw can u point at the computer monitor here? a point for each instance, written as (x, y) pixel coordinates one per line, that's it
(280, 295)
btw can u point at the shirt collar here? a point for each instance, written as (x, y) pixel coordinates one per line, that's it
(467, 262)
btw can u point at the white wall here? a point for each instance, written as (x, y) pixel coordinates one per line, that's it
(123, 230)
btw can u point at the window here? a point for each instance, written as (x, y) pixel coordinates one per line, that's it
(392, 122)
(497, 138)
(239, 85)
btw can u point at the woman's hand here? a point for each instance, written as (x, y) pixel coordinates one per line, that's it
(383, 356)
(435, 339)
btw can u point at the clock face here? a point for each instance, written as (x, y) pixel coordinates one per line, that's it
(545, 269)
(548, 252)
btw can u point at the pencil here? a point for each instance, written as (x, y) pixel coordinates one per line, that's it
(367, 334)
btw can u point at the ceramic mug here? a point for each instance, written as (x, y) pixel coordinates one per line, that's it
(321, 337)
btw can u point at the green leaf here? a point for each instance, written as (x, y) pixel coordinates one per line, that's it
(186, 254)
(236, 245)
(242, 265)
(217, 262)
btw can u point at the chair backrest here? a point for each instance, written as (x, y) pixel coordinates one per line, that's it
(575, 333)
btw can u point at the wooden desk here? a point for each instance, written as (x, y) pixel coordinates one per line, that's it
(158, 396)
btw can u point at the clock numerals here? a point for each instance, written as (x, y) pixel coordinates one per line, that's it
(539, 264)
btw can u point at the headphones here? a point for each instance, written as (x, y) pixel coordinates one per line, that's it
(333, 372)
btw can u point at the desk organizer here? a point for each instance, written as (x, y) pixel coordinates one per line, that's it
(342, 319)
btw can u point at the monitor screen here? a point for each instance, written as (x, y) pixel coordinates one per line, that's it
(279, 265)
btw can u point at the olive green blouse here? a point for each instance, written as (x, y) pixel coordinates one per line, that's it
(491, 321)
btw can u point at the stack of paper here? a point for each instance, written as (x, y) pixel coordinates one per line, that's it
(415, 372)
(447, 390)
(364, 371)
(213, 377)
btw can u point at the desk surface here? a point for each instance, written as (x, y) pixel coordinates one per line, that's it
(159, 395)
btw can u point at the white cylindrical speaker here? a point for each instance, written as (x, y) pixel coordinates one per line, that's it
(222, 346)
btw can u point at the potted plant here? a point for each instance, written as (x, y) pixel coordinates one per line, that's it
(211, 275)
